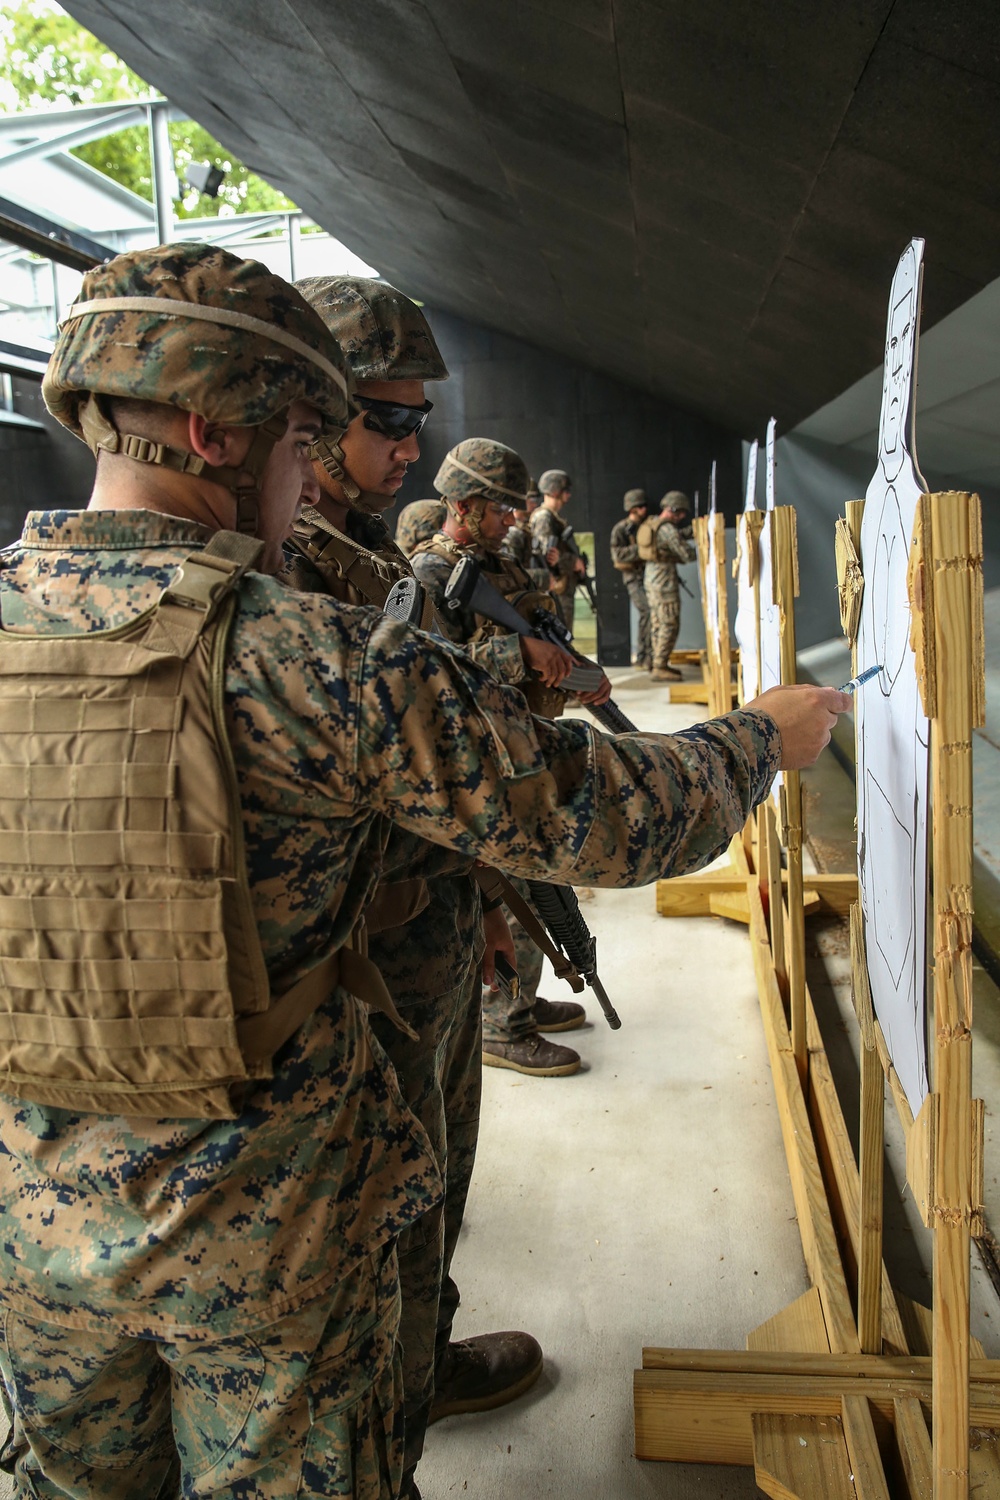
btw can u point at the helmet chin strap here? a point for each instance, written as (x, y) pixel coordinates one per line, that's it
(331, 455)
(472, 520)
(243, 479)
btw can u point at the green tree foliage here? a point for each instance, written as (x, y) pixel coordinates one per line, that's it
(47, 58)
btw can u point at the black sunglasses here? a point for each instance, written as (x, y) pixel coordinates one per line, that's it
(390, 419)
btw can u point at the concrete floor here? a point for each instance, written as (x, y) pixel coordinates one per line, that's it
(646, 1200)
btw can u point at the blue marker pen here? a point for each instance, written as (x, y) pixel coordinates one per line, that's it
(855, 682)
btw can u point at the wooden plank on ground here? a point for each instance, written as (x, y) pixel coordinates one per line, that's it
(801, 1458)
(862, 1446)
(685, 1416)
(800, 1327)
(819, 1241)
(914, 1444)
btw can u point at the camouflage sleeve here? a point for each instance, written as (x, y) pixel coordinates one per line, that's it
(501, 657)
(675, 546)
(450, 754)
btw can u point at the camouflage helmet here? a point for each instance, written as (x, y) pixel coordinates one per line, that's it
(193, 327)
(635, 498)
(553, 481)
(417, 521)
(676, 500)
(480, 469)
(382, 334)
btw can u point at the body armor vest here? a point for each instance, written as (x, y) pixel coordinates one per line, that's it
(645, 540)
(515, 584)
(132, 979)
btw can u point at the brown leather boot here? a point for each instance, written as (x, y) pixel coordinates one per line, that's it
(557, 1015)
(533, 1055)
(666, 674)
(480, 1373)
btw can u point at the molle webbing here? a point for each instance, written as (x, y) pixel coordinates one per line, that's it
(340, 560)
(129, 956)
(645, 539)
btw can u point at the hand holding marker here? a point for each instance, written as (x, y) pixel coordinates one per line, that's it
(855, 682)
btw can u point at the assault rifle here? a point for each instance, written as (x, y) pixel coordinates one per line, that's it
(585, 578)
(469, 587)
(554, 922)
(572, 949)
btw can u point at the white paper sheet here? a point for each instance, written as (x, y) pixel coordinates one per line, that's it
(712, 572)
(892, 728)
(770, 614)
(745, 624)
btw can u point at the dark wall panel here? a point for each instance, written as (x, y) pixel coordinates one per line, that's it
(43, 468)
(559, 414)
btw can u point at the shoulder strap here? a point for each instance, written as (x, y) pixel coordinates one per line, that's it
(204, 581)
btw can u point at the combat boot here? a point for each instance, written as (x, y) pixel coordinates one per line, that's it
(481, 1373)
(532, 1055)
(557, 1015)
(666, 674)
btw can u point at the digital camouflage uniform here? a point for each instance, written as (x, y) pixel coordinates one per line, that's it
(417, 521)
(431, 966)
(663, 589)
(218, 1307)
(625, 557)
(548, 531)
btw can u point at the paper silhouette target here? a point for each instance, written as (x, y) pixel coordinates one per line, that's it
(892, 728)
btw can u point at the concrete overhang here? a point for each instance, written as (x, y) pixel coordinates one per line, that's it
(706, 201)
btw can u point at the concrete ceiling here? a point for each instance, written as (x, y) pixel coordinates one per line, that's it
(706, 200)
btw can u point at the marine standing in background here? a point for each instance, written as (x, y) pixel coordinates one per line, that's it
(425, 931)
(625, 557)
(663, 542)
(563, 561)
(416, 522)
(519, 542)
(482, 483)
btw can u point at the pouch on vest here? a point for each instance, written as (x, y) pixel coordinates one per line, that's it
(645, 540)
(132, 979)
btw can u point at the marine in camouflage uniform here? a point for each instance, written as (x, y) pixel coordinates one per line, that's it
(417, 521)
(425, 926)
(519, 543)
(625, 557)
(671, 545)
(549, 532)
(483, 482)
(216, 1310)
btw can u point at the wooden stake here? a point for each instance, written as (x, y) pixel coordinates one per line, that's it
(872, 1152)
(784, 567)
(946, 600)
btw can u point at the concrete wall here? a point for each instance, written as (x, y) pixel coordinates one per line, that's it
(558, 414)
(817, 478)
(44, 467)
